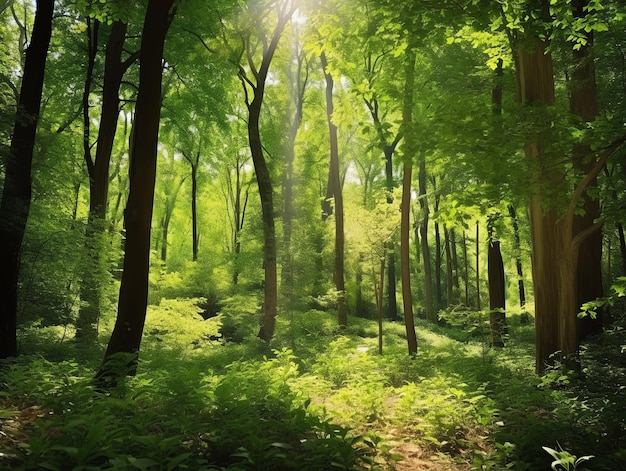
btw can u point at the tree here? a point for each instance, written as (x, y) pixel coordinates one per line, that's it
(335, 190)
(16, 193)
(409, 152)
(253, 81)
(98, 167)
(133, 297)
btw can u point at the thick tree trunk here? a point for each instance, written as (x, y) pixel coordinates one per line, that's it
(583, 103)
(16, 193)
(536, 87)
(133, 297)
(405, 222)
(335, 183)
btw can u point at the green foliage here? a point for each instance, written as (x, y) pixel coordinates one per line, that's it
(239, 317)
(565, 460)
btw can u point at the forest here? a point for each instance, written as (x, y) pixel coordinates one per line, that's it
(312, 235)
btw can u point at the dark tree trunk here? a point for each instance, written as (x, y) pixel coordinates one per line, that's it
(342, 310)
(622, 246)
(263, 177)
(195, 238)
(583, 102)
(133, 297)
(98, 169)
(497, 293)
(89, 313)
(518, 256)
(16, 193)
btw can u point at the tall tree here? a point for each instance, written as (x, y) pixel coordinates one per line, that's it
(584, 104)
(405, 224)
(253, 77)
(16, 193)
(98, 167)
(336, 190)
(133, 297)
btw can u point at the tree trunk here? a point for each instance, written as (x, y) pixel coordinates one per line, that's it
(438, 292)
(428, 274)
(16, 193)
(465, 270)
(536, 87)
(98, 169)
(195, 238)
(518, 256)
(342, 310)
(478, 304)
(583, 103)
(497, 296)
(405, 223)
(622, 246)
(263, 177)
(449, 276)
(133, 296)
(455, 262)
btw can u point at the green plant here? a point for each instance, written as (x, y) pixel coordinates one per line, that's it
(565, 460)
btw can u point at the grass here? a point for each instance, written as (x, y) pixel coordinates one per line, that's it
(316, 398)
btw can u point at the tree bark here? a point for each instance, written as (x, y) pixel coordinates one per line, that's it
(497, 296)
(195, 238)
(98, 169)
(405, 223)
(263, 177)
(338, 275)
(133, 297)
(16, 193)
(536, 87)
(518, 257)
(584, 103)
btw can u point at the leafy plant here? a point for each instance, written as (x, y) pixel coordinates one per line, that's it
(565, 460)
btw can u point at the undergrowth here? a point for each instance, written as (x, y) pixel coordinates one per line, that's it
(316, 398)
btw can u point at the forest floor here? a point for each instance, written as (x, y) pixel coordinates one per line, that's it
(316, 398)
